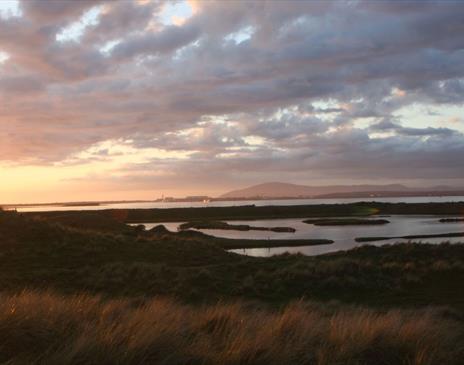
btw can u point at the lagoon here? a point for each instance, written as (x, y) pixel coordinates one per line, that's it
(343, 236)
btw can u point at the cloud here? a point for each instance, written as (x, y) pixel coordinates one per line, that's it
(314, 89)
(388, 125)
(48, 11)
(167, 40)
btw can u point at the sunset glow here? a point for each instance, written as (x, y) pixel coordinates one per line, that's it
(235, 182)
(120, 100)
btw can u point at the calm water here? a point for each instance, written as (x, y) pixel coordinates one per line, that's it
(342, 235)
(147, 205)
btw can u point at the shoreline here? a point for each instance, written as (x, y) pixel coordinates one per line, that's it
(160, 232)
(252, 212)
(363, 195)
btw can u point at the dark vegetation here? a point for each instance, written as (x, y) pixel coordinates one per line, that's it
(251, 212)
(346, 222)
(90, 221)
(411, 237)
(42, 254)
(86, 296)
(227, 226)
(231, 243)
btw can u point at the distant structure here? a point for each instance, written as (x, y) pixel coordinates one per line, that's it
(198, 198)
(165, 199)
(192, 198)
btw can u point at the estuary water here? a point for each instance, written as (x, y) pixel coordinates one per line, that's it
(163, 205)
(344, 236)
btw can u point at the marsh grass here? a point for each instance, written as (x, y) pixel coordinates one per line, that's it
(46, 328)
(257, 321)
(37, 253)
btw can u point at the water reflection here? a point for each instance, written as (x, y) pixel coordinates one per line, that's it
(343, 236)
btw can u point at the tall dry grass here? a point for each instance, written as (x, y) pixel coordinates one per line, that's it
(44, 328)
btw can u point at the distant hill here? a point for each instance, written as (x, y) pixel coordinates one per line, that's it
(285, 190)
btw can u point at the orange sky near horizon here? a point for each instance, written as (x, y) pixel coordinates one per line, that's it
(129, 100)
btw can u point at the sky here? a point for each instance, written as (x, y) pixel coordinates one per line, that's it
(118, 100)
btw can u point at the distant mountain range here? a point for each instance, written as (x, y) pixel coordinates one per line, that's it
(284, 190)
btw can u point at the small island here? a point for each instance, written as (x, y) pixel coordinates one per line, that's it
(346, 222)
(452, 220)
(160, 232)
(234, 227)
(411, 237)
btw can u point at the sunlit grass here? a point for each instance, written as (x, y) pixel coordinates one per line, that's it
(45, 328)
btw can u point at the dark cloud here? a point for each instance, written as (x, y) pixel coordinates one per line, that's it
(388, 125)
(245, 87)
(167, 40)
(51, 11)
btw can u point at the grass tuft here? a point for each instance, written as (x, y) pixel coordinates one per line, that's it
(46, 328)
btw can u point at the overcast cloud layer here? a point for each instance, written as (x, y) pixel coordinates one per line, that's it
(223, 93)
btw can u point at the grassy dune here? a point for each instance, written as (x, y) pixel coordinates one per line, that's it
(45, 328)
(95, 296)
(42, 254)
